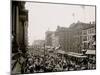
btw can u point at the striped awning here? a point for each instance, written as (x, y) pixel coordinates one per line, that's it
(61, 51)
(92, 52)
(77, 55)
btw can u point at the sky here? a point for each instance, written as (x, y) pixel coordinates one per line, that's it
(44, 16)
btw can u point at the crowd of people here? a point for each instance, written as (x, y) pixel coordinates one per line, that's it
(48, 63)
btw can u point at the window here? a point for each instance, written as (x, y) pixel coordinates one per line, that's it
(93, 30)
(89, 31)
(89, 37)
(84, 38)
(84, 32)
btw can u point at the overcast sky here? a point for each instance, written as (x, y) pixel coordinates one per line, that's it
(43, 17)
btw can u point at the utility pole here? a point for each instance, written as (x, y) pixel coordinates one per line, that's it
(44, 55)
(44, 49)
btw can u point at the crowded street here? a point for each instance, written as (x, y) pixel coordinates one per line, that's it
(56, 63)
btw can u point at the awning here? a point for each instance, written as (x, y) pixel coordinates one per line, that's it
(48, 47)
(77, 55)
(60, 51)
(91, 52)
(73, 53)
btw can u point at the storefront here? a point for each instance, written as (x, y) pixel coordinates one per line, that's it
(91, 59)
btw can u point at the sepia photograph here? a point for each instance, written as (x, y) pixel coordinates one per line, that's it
(52, 37)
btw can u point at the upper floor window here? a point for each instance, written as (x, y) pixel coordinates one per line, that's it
(91, 31)
(84, 32)
(84, 38)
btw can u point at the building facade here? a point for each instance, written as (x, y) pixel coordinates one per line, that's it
(19, 32)
(76, 40)
(63, 36)
(89, 42)
(48, 38)
(70, 38)
(19, 24)
(38, 43)
(89, 36)
(73, 38)
(55, 40)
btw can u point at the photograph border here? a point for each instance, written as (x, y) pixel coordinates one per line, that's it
(42, 2)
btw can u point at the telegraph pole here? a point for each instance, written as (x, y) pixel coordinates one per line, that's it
(44, 50)
(44, 56)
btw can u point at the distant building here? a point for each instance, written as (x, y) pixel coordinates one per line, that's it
(63, 37)
(89, 36)
(55, 40)
(48, 38)
(70, 39)
(76, 38)
(38, 43)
